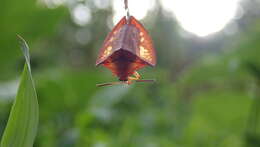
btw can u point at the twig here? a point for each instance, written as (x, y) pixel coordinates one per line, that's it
(127, 10)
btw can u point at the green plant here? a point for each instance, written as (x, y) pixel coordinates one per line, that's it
(22, 125)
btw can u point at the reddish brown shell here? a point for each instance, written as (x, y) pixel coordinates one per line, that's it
(127, 48)
(146, 49)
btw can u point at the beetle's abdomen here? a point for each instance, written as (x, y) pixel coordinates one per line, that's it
(123, 64)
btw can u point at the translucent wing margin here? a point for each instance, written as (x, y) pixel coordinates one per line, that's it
(107, 48)
(145, 49)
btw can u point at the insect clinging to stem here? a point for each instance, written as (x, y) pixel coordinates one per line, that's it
(126, 49)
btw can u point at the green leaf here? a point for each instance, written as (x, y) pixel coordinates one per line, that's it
(22, 125)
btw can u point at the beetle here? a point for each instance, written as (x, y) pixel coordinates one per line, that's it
(126, 49)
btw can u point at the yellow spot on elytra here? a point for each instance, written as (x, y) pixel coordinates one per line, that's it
(109, 47)
(142, 39)
(144, 53)
(141, 33)
(111, 39)
(141, 49)
(107, 51)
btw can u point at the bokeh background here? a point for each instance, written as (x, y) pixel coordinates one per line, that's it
(207, 92)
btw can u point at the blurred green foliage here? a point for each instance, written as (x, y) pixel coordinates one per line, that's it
(206, 94)
(28, 19)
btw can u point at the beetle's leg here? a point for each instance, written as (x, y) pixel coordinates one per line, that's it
(137, 75)
(131, 79)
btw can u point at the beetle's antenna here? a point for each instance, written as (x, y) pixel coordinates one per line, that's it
(127, 11)
(146, 80)
(109, 84)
